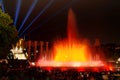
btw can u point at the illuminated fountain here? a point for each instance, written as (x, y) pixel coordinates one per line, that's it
(72, 51)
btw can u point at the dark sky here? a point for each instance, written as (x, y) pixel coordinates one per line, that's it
(95, 19)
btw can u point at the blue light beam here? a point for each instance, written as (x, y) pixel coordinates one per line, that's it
(17, 11)
(28, 14)
(41, 12)
(49, 18)
(2, 5)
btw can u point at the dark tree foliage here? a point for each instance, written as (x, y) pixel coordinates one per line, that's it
(8, 34)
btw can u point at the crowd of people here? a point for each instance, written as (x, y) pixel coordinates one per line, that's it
(37, 73)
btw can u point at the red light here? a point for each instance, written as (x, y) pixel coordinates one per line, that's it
(48, 69)
(109, 68)
(63, 69)
(96, 69)
(81, 69)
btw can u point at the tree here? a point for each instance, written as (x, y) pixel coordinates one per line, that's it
(8, 34)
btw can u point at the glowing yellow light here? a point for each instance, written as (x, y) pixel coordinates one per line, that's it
(75, 52)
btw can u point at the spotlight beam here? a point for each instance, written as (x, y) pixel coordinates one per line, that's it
(41, 12)
(17, 11)
(49, 18)
(2, 5)
(28, 14)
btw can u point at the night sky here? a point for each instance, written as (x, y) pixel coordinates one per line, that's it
(95, 19)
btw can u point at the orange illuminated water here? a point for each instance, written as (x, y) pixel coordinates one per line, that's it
(72, 51)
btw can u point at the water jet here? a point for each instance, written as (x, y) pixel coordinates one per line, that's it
(71, 52)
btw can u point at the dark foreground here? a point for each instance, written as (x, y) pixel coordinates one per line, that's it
(34, 73)
(27, 72)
